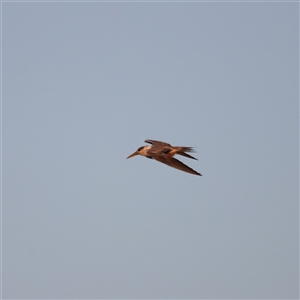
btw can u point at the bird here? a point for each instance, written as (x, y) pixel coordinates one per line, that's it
(164, 152)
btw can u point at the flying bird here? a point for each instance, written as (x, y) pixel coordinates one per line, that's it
(164, 153)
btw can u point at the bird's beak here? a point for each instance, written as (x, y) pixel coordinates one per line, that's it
(133, 154)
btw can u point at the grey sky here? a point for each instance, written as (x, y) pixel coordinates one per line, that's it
(84, 84)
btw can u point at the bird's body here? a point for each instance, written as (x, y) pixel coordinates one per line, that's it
(164, 153)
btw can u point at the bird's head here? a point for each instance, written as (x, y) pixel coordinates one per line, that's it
(139, 151)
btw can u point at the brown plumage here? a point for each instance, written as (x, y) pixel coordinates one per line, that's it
(164, 153)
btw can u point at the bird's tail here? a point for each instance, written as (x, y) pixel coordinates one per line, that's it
(182, 150)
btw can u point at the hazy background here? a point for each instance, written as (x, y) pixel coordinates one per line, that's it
(84, 84)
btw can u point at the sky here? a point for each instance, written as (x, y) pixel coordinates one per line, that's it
(84, 84)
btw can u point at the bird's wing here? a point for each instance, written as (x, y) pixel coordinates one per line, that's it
(157, 143)
(175, 163)
(158, 148)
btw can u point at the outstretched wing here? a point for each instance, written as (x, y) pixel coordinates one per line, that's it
(158, 148)
(165, 148)
(175, 163)
(157, 143)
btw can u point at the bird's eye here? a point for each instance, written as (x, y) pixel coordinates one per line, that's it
(140, 149)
